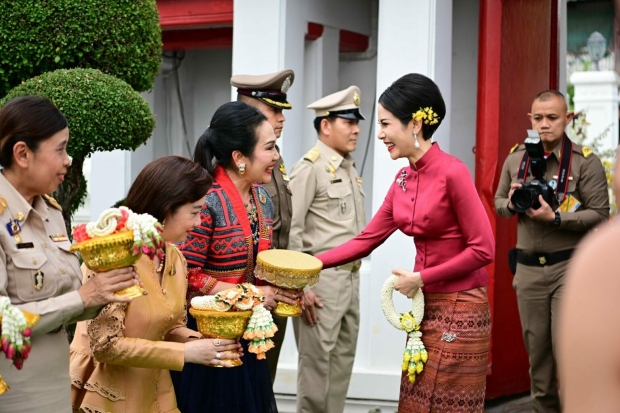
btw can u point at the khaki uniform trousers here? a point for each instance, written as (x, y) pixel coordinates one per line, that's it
(539, 291)
(327, 350)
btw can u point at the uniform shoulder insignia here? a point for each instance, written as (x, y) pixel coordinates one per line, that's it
(514, 148)
(586, 151)
(312, 155)
(3, 204)
(52, 202)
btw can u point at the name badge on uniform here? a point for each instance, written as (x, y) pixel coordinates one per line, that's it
(59, 237)
(570, 204)
(38, 280)
(335, 181)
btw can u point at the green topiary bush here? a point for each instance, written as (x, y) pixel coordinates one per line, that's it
(104, 114)
(121, 38)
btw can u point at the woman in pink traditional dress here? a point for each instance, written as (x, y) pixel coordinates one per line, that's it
(434, 200)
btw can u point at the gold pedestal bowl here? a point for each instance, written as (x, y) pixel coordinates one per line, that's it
(223, 325)
(288, 269)
(110, 252)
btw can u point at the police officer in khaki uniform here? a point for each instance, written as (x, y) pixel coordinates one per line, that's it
(547, 236)
(37, 271)
(328, 210)
(268, 94)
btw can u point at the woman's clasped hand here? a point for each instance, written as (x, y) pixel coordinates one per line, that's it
(408, 282)
(274, 295)
(212, 351)
(99, 289)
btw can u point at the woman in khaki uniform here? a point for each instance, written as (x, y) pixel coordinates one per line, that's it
(120, 360)
(37, 271)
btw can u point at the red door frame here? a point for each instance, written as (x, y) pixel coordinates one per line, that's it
(518, 57)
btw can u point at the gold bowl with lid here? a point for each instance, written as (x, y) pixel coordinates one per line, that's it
(288, 269)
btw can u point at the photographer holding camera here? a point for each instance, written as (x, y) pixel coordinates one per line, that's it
(559, 191)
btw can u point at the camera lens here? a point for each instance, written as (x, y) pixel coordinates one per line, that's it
(522, 199)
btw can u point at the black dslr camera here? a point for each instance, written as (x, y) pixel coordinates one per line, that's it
(526, 197)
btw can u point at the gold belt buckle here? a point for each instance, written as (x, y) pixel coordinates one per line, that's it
(542, 260)
(356, 266)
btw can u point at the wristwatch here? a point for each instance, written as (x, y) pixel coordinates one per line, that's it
(558, 220)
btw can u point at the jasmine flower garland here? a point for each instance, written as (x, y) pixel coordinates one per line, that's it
(146, 230)
(415, 355)
(15, 336)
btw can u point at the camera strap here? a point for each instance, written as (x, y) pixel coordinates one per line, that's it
(566, 159)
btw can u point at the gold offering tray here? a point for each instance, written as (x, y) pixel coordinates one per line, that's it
(288, 269)
(108, 253)
(222, 324)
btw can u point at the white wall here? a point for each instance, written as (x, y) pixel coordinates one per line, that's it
(464, 81)
(364, 75)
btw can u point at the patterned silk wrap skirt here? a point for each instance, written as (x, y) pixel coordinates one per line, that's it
(456, 332)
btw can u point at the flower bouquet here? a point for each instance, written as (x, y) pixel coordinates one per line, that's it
(15, 334)
(415, 355)
(116, 240)
(233, 313)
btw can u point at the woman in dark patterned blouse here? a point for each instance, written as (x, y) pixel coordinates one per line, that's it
(238, 149)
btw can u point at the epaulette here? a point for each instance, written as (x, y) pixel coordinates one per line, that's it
(586, 151)
(514, 148)
(51, 201)
(312, 155)
(3, 205)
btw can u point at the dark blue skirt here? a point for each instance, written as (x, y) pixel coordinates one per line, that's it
(244, 389)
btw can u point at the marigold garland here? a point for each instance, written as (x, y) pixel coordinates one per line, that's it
(427, 115)
(244, 297)
(415, 354)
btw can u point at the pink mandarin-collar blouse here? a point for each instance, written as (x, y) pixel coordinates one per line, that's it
(434, 201)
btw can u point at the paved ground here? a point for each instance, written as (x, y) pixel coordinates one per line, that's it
(511, 404)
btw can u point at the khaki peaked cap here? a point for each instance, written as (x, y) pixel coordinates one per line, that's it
(343, 104)
(270, 88)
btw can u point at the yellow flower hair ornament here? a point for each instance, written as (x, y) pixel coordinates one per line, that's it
(427, 115)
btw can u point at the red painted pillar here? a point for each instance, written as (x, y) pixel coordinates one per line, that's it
(518, 57)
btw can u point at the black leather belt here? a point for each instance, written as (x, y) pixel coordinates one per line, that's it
(543, 259)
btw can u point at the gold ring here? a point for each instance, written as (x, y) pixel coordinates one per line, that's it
(277, 291)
